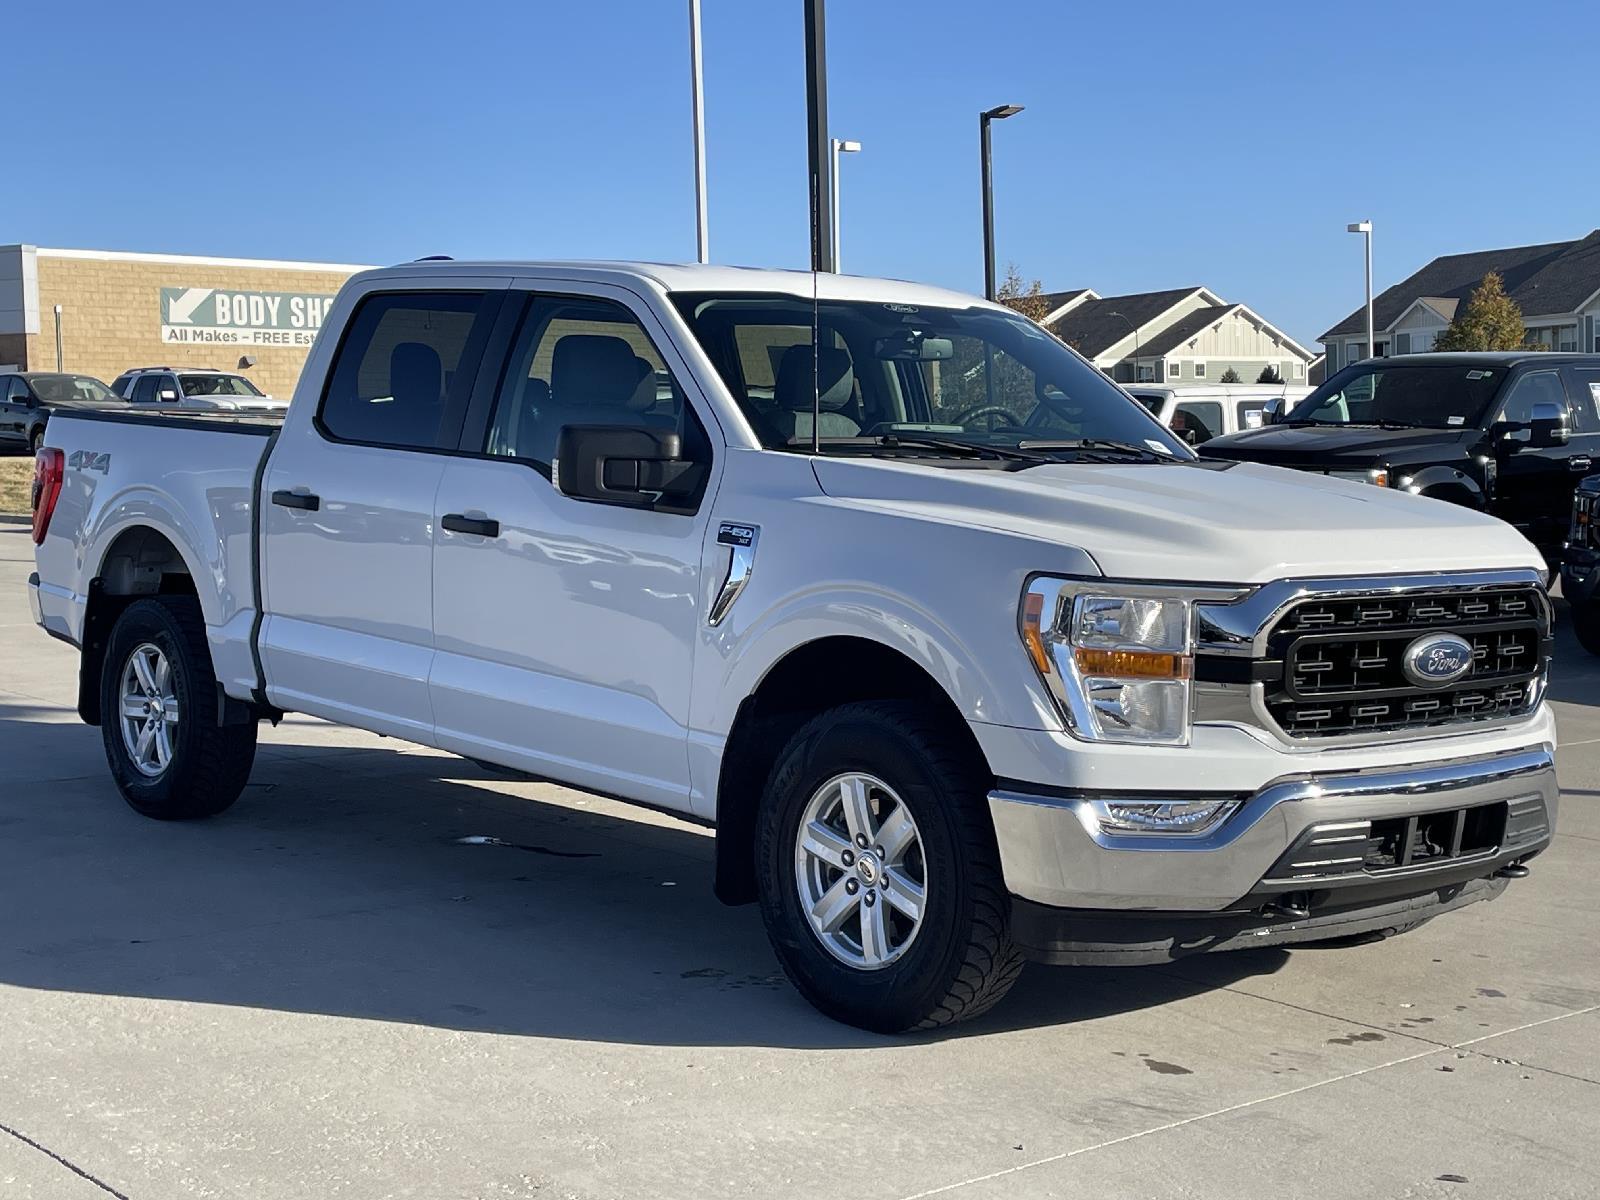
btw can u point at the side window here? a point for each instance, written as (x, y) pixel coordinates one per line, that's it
(120, 387)
(405, 368)
(584, 361)
(144, 389)
(167, 391)
(1197, 421)
(1585, 388)
(14, 392)
(1535, 387)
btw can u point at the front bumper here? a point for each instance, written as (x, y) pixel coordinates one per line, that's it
(1054, 853)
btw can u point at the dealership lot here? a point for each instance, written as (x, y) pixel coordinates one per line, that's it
(325, 992)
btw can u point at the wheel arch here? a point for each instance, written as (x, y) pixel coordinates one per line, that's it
(808, 679)
(139, 560)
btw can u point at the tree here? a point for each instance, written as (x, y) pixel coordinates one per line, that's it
(1230, 376)
(1027, 298)
(1269, 374)
(1490, 320)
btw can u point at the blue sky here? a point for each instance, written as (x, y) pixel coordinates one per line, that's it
(1163, 144)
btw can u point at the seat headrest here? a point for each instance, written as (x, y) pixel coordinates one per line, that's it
(416, 376)
(598, 371)
(835, 379)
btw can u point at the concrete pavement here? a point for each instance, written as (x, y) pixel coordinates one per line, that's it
(322, 993)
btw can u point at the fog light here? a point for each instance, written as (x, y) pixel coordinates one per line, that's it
(1161, 816)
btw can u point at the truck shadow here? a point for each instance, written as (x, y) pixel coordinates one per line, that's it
(1575, 673)
(340, 885)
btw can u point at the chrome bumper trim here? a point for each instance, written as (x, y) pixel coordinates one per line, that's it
(1053, 850)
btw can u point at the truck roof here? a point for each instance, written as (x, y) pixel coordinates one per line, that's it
(698, 277)
(1482, 358)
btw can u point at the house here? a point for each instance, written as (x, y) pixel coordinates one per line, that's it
(1183, 335)
(1557, 287)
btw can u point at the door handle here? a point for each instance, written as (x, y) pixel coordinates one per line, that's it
(479, 526)
(301, 500)
(1579, 462)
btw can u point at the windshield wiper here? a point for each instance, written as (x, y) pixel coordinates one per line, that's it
(917, 441)
(1102, 446)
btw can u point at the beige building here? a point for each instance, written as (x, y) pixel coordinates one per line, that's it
(102, 312)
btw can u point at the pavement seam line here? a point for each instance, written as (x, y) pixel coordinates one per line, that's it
(65, 1162)
(1205, 1116)
(1434, 1048)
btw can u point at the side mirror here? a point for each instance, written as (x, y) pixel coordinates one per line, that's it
(633, 467)
(167, 394)
(1273, 412)
(1548, 426)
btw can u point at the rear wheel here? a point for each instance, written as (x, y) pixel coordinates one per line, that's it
(880, 882)
(169, 757)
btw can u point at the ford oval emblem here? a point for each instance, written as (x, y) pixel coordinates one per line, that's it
(1437, 660)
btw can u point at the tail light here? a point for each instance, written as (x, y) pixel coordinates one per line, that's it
(49, 467)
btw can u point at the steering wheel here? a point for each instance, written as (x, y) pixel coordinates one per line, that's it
(984, 410)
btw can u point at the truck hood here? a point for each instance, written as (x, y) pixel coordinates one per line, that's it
(1352, 446)
(1210, 522)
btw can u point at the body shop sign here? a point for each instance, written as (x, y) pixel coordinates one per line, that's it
(218, 316)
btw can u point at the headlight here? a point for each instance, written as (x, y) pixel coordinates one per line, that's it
(1117, 658)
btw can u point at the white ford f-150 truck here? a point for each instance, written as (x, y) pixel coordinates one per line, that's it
(965, 656)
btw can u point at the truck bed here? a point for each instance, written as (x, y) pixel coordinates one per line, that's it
(192, 479)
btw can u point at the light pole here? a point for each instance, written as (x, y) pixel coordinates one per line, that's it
(839, 147)
(818, 156)
(1365, 228)
(999, 113)
(1135, 328)
(58, 337)
(697, 98)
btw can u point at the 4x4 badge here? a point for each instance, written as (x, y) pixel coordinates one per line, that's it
(741, 540)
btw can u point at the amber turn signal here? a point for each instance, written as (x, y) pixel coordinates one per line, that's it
(1131, 664)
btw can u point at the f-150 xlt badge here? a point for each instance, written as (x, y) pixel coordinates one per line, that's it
(1437, 660)
(741, 542)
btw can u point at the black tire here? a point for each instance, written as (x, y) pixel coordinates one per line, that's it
(1586, 624)
(210, 763)
(36, 442)
(961, 960)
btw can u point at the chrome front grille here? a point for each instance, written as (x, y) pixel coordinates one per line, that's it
(1341, 660)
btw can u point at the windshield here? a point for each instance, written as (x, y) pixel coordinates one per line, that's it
(60, 389)
(900, 374)
(1431, 395)
(217, 385)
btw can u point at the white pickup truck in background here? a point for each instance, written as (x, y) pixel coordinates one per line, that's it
(967, 658)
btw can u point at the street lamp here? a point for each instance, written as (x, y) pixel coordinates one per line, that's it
(839, 147)
(994, 114)
(1135, 328)
(1365, 227)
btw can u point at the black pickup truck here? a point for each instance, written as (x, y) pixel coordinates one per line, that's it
(1510, 434)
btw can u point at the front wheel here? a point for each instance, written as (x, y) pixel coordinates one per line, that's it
(1586, 624)
(879, 878)
(36, 442)
(158, 715)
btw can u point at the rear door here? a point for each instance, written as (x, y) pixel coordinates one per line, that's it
(565, 628)
(348, 555)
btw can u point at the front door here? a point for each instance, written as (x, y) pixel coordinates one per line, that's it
(13, 408)
(564, 629)
(1535, 484)
(347, 568)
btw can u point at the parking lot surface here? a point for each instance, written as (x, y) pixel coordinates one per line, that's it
(326, 993)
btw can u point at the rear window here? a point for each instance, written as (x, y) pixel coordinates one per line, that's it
(405, 368)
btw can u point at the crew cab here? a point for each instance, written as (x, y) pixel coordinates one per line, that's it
(1510, 434)
(965, 656)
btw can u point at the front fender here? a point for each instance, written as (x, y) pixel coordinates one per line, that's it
(1442, 481)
